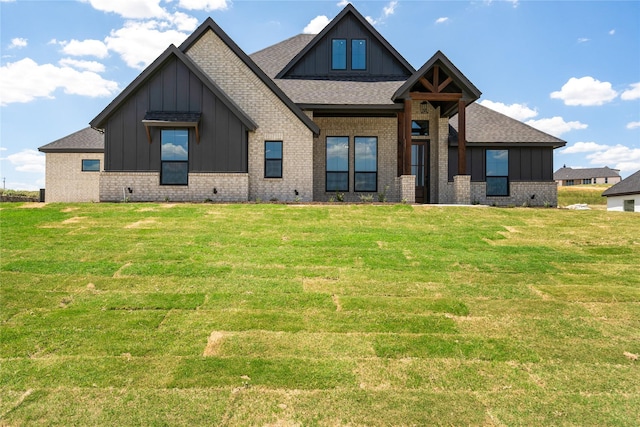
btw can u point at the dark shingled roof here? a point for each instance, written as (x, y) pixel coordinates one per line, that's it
(87, 140)
(565, 173)
(320, 92)
(629, 185)
(485, 125)
(274, 58)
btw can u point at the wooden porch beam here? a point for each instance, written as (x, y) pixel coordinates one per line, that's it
(427, 85)
(436, 77)
(407, 137)
(444, 84)
(462, 138)
(421, 96)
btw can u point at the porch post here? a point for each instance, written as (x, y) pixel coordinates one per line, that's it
(407, 137)
(462, 138)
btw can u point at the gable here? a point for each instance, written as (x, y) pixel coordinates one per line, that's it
(367, 55)
(173, 87)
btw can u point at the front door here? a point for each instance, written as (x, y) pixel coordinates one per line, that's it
(419, 162)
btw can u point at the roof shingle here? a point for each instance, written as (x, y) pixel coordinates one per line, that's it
(565, 173)
(87, 140)
(629, 185)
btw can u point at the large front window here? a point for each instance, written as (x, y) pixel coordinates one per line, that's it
(174, 157)
(366, 163)
(497, 172)
(337, 163)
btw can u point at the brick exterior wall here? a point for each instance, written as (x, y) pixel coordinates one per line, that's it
(145, 186)
(462, 189)
(274, 119)
(384, 128)
(66, 182)
(520, 192)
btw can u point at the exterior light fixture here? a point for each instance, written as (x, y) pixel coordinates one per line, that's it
(423, 107)
(215, 190)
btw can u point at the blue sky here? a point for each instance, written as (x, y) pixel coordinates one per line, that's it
(569, 68)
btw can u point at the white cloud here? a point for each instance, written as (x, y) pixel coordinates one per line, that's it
(390, 9)
(343, 3)
(584, 147)
(316, 25)
(94, 66)
(631, 94)
(583, 40)
(516, 111)
(585, 91)
(556, 126)
(18, 43)
(442, 20)
(27, 161)
(622, 157)
(84, 48)
(370, 20)
(206, 5)
(183, 22)
(25, 80)
(136, 9)
(633, 125)
(140, 43)
(612, 32)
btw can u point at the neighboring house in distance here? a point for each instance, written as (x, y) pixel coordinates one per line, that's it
(625, 195)
(73, 165)
(315, 115)
(567, 176)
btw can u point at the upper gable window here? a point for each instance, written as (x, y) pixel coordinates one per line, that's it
(358, 54)
(339, 54)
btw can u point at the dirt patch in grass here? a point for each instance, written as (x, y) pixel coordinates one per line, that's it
(213, 344)
(74, 220)
(33, 205)
(142, 223)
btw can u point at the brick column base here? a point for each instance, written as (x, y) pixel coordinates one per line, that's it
(406, 188)
(462, 189)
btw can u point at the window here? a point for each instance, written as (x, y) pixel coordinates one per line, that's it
(358, 54)
(174, 157)
(90, 165)
(337, 178)
(497, 172)
(568, 182)
(366, 163)
(606, 180)
(339, 54)
(586, 181)
(273, 159)
(420, 128)
(629, 205)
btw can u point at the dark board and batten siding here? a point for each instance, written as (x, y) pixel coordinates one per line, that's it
(525, 163)
(223, 137)
(381, 64)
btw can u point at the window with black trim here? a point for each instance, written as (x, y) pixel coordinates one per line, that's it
(629, 205)
(273, 159)
(497, 176)
(90, 165)
(339, 54)
(358, 54)
(337, 174)
(366, 163)
(174, 157)
(420, 128)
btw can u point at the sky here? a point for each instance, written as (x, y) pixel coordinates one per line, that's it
(569, 68)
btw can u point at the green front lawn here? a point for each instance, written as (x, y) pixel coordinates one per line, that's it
(204, 314)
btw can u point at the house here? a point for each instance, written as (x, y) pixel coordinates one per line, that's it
(625, 195)
(306, 119)
(567, 176)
